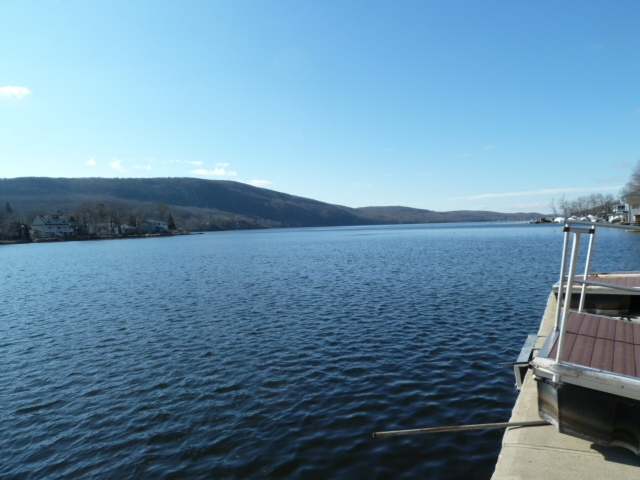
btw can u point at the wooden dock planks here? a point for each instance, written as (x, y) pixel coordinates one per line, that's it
(624, 279)
(601, 342)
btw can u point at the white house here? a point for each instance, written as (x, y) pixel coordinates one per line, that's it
(51, 226)
(634, 209)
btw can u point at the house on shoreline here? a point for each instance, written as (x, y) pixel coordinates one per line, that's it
(58, 227)
(153, 226)
(51, 226)
(627, 211)
(634, 209)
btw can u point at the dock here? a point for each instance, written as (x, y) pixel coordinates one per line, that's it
(543, 452)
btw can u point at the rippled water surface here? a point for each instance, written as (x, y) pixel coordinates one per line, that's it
(271, 354)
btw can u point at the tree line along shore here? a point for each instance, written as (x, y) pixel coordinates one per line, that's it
(87, 222)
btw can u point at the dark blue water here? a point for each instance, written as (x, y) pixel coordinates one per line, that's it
(270, 354)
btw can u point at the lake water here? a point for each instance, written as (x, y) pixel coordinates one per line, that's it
(271, 354)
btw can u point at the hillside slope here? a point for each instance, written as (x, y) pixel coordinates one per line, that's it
(212, 204)
(415, 215)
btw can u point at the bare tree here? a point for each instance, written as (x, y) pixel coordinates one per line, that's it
(85, 215)
(101, 212)
(595, 204)
(137, 217)
(580, 206)
(116, 213)
(565, 207)
(595, 201)
(4, 220)
(632, 188)
(609, 200)
(163, 210)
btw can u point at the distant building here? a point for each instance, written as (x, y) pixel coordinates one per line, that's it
(633, 205)
(619, 213)
(619, 209)
(128, 230)
(51, 226)
(154, 226)
(103, 229)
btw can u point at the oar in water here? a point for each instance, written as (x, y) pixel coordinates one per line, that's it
(459, 428)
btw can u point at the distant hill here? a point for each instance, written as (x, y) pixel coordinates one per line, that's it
(415, 215)
(211, 204)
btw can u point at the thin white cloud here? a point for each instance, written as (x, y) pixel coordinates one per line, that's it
(547, 191)
(612, 179)
(92, 162)
(16, 93)
(530, 206)
(363, 184)
(488, 147)
(116, 164)
(620, 165)
(189, 162)
(219, 171)
(142, 167)
(261, 183)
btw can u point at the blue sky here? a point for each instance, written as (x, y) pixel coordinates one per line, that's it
(492, 105)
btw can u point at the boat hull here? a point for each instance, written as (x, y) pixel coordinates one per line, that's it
(603, 418)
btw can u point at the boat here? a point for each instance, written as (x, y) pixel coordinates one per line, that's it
(588, 370)
(604, 300)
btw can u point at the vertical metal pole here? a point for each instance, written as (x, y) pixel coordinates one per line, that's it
(567, 304)
(565, 250)
(587, 267)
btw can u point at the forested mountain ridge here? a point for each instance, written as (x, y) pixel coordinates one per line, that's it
(211, 204)
(390, 215)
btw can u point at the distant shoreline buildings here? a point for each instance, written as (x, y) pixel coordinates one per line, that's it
(58, 226)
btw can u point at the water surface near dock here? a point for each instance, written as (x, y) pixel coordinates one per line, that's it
(271, 354)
